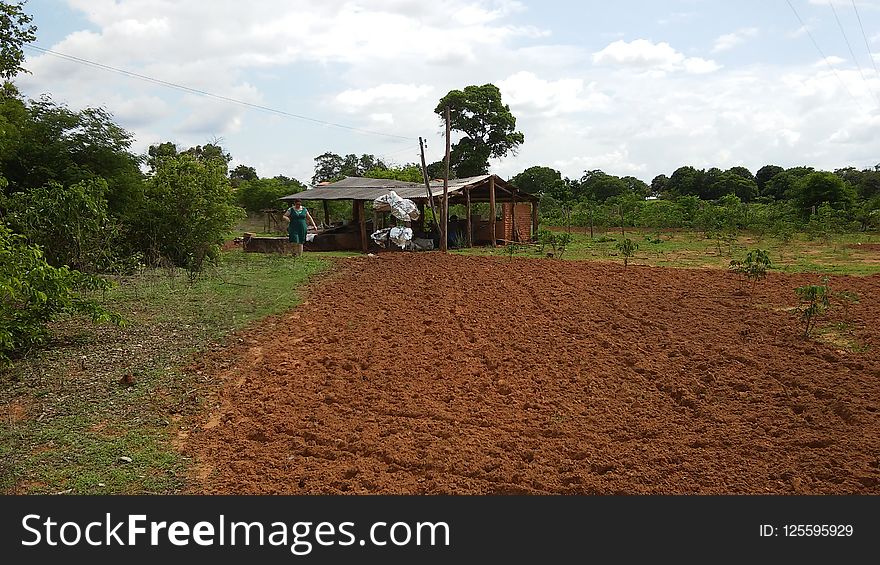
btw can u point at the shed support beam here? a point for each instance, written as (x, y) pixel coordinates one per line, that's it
(470, 224)
(362, 220)
(492, 209)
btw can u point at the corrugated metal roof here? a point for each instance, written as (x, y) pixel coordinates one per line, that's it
(417, 192)
(359, 188)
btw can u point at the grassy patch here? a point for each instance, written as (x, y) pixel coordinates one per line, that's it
(838, 255)
(841, 336)
(95, 412)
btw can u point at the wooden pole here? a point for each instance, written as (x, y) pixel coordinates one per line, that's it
(428, 183)
(622, 230)
(445, 212)
(492, 209)
(362, 219)
(326, 213)
(470, 225)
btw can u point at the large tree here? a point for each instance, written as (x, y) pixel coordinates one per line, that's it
(406, 173)
(765, 174)
(43, 142)
(488, 126)
(599, 186)
(822, 187)
(538, 180)
(15, 32)
(685, 181)
(330, 167)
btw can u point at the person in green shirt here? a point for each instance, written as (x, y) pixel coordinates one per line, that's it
(297, 215)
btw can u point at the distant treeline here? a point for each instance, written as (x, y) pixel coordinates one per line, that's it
(774, 200)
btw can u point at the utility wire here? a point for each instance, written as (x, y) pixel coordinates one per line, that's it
(824, 58)
(191, 90)
(851, 52)
(865, 36)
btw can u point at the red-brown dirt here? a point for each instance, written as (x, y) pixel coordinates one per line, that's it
(425, 373)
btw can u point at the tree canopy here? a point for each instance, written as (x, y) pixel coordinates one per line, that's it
(15, 32)
(488, 126)
(330, 167)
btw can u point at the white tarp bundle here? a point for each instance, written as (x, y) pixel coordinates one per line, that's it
(400, 208)
(398, 236)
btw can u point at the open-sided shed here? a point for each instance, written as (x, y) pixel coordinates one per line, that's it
(518, 220)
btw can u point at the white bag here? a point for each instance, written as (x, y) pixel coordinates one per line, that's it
(400, 208)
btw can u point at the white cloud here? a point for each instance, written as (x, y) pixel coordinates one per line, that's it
(641, 107)
(803, 30)
(525, 92)
(645, 55)
(355, 99)
(731, 40)
(832, 60)
(615, 159)
(383, 118)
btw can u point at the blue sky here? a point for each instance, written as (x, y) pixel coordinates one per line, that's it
(630, 87)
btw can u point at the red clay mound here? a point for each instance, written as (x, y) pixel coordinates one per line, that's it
(425, 373)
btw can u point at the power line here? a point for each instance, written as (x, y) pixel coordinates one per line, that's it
(851, 52)
(824, 58)
(191, 90)
(865, 36)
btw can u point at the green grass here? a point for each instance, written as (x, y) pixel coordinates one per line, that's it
(68, 418)
(692, 250)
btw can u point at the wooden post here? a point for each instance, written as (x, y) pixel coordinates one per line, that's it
(620, 209)
(470, 225)
(326, 213)
(534, 218)
(428, 184)
(361, 214)
(492, 209)
(445, 212)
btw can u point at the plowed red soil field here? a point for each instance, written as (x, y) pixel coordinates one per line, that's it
(425, 373)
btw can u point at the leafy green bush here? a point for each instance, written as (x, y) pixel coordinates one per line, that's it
(828, 221)
(754, 267)
(188, 210)
(627, 248)
(563, 240)
(557, 241)
(33, 293)
(815, 300)
(72, 223)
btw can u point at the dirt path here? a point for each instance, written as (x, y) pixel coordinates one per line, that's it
(423, 373)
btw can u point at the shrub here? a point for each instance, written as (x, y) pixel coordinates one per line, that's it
(71, 223)
(557, 241)
(33, 293)
(814, 302)
(627, 248)
(562, 242)
(754, 267)
(188, 211)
